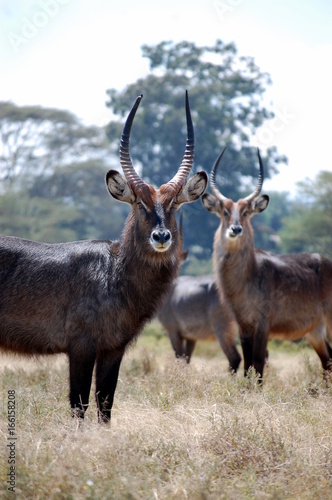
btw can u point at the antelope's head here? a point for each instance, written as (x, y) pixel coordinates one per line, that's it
(154, 210)
(235, 216)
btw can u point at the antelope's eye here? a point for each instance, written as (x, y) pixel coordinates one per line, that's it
(245, 213)
(226, 214)
(140, 205)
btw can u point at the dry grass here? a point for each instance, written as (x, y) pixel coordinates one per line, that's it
(177, 432)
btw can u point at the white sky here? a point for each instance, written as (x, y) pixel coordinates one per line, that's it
(66, 53)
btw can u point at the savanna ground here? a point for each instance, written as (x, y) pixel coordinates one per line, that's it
(178, 431)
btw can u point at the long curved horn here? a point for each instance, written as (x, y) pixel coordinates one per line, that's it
(213, 184)
(260, 181)
(182, 174)
(133, 179)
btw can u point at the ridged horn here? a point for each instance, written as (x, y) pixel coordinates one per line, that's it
(260, 181)
(133, 179)
(213, 184)
(182, 174)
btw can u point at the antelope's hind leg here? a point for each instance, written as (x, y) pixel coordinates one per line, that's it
(189, 349)
(319, 341)
(177, 343)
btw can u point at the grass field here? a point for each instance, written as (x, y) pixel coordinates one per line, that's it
(178, 431)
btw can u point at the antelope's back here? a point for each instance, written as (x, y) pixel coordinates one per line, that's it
(299, 283)
(190, 306)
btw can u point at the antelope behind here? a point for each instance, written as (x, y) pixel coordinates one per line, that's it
(192, 312)
(90, 299)
(285, 296)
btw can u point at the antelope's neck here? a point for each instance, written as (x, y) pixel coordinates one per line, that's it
(234, 267)
(145, 278)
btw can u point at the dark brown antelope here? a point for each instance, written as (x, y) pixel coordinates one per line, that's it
(192, 312)
(284, 296)
(90, 299)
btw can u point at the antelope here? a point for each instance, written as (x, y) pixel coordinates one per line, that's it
(193, 311)
(90, 299)
(285, 296)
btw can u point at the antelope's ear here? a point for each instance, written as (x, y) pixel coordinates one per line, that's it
(260, 204)
(211, 204)
(184, 255)
(194, 188)
(118, 187)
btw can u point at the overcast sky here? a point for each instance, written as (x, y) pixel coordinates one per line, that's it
(66, 53)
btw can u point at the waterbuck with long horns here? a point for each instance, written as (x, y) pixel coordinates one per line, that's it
(284, 296)
(90, 299)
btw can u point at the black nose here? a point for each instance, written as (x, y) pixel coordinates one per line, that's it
(161, 236)
(236, 229)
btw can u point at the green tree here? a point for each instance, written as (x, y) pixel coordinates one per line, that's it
(37, 218)
(81, 187)
(36, 140)
(70, 204)
(308, 228)
(225, 95)
(52, 177)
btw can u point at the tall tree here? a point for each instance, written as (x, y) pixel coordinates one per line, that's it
(309, 226)
(70, 204)
(81, 187)
(38, 218)
(36, 140)
(52, 176)
(225, 95)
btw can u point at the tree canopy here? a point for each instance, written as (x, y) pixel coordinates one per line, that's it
(35, 140)
(52, 176)
(308, 228)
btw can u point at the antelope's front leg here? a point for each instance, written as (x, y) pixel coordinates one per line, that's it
(107, 372)
(260, 350)
(247, 349)
(81, 362)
